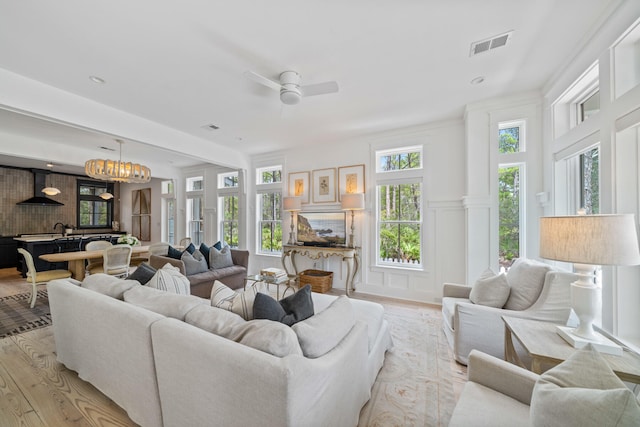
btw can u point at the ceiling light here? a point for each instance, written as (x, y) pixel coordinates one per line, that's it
(51, 191)
(117, 170)
(97, 79)
(106, 196)
(50, 165)
(477, 80)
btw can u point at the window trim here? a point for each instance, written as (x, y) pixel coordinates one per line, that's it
(109, 186)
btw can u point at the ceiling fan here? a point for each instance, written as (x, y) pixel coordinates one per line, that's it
(289, 86)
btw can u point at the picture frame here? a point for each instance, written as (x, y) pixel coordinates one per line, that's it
(299, 185)
(324, 185)
(351, 180)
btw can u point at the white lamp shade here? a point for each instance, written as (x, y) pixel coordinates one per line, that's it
(590, 239)
(291, 203)
(51, 191)
(352, 202)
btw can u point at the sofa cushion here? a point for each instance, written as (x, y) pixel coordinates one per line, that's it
(161, 302)
(526, 279)
(239, 302)
(194, 263)
(583, 391)
(220, 258)
(320, 333)
(143, 273)
(169, 279)
(289, 310)
(108, 285)
(490, 289)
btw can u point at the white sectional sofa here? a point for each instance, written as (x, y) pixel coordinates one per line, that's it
(133, 344)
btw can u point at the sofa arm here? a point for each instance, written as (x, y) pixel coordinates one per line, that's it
(240, 257)
(501, 376)
(455, 290)
(159, 261)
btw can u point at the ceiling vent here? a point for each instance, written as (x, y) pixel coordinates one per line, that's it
(490, 44)
(211, 127)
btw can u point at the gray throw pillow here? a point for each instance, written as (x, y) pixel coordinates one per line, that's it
(220, 258)
(194, 263)
(490, 289)
(289, 310)
(144, 272)
(583, 391)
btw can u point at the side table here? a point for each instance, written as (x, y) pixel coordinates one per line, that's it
(269, 280)
(543, 344)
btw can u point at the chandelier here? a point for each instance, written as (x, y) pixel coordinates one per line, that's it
(117, 170)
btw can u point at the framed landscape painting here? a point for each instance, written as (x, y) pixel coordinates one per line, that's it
(324, 185)
(299, 185)
(350, 180)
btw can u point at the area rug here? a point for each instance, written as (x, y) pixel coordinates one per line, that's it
(415, 386)
(17, 317)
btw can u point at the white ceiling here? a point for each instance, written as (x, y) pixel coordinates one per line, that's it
(182, 64)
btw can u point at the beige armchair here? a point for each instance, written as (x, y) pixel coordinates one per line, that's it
(469, 326)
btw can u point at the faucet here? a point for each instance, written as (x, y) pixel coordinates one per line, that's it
(60, 224)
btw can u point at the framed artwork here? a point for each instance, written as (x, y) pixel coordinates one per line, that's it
(324, 185)
(350, 180)
(299, 185)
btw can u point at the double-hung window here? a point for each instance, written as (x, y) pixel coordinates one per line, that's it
(269, 204)
(94, 211)
(195, 209)
(228, 196)
(399, 207)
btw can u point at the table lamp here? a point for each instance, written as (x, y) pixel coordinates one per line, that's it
(588, 241)
(352, 202)
(292, 204)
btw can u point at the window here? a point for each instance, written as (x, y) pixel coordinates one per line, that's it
(589, 106)
(195, 209)
(94, 211)
(511, 141)
(399, 207)
(269, 184)
(228, 197)
(168, 211)
(590, 181)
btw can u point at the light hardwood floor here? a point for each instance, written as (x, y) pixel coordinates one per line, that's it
(36, 390)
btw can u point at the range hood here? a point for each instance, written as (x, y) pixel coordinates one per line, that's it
(39, 182)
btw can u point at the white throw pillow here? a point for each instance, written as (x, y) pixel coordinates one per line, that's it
(526, 279)
(490, 289)
(583, 391)
(194, 264)
(169, 279)
(240, 302)
(321, 332)
(108, 285)
(220, 258)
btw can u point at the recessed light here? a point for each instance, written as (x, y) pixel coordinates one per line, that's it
(477, 80)
(50, 165)
(96, 79)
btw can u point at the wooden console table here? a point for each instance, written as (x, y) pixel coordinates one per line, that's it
(350, 256)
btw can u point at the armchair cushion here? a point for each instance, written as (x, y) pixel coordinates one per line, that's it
(584, 391)
(490, 289)
(526, 278)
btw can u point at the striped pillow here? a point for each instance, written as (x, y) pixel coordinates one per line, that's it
(169, 279)
(240, 302)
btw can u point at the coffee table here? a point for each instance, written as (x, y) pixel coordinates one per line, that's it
(269, 280)
(546, 347)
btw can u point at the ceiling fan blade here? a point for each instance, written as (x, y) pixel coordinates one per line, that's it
(319, 88)
(262, 80)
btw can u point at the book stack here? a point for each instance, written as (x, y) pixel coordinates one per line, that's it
(273, 274)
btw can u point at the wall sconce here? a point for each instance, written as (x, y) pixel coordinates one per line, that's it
(352, 202)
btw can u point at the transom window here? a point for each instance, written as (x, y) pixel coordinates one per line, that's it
(399, 159)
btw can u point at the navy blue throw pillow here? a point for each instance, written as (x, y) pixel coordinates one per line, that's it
(204, 250)
(289, 310)
(144, 272)
(174, 253)
(191, 248)
(218, 245)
